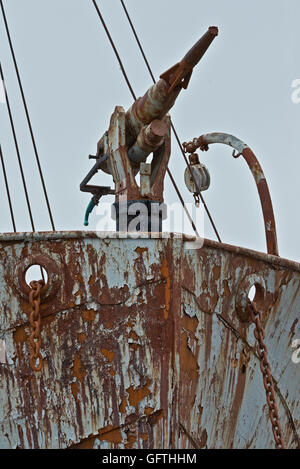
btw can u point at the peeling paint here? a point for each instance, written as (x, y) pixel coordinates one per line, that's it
(151, 352)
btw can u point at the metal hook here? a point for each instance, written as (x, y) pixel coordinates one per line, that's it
(236, 155)
(197, 200)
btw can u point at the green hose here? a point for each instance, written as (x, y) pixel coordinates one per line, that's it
(89, 209)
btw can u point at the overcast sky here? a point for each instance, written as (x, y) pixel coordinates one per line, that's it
(72, 83)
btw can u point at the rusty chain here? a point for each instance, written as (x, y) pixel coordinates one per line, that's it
(259, 334)
(35, 323)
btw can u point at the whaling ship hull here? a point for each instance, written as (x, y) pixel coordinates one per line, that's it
(146, 343)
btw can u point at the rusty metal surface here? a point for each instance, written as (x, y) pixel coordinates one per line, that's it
(221, 383)
(149, 139)
(262, 350)
(143, 345)
(180, 74)
(161, 96)
(159, 99)
(201, 175)
(122, 168)
(261, 183)
(143, 129)
(34, 317)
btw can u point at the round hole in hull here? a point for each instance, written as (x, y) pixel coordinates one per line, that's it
(36, 272)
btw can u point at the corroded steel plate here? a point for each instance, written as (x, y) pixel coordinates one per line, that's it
(146, 344)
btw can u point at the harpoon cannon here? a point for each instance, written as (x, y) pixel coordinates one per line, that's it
(133, 135)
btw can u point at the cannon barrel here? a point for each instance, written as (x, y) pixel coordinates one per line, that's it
(156, 103)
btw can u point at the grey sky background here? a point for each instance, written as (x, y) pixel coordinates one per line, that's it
(72, 83)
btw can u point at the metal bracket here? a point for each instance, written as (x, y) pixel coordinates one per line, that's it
(97, 191)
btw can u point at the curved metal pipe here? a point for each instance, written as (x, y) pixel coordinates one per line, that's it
(257, 172)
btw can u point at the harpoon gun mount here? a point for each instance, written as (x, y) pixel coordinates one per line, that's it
(133, 135)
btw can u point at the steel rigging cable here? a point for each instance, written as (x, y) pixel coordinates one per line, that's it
(172, 125)
(7, 191)
(27, 117)
(17, 150)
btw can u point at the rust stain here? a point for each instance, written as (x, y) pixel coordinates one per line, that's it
(89, 315)
(123, 405)
(88, 443)
(148, 410)
(74, 389)
(166, 274)
(136, 395)
(133, 335)
(28, 434)
(91, 280)
(155, 417)
(188, 361)
(226, 289)
(203, 439)
(292, 333)
(113, 436)
(81, 337)
(107, 429)
(189, 324)
(140, 250)
(19, 335)
(236, 405)
(244, 359)
(134, 346)
(79, 278)
(234, 362)
(21, 435)
(216, 272)
(78, 371)
(131, 438)
(48, 320)
(109, 433)
(109, 354)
